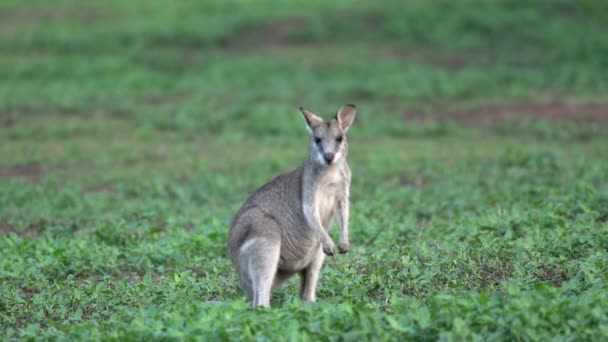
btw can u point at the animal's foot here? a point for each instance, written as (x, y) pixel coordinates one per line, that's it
(329, 248)
(343, 247)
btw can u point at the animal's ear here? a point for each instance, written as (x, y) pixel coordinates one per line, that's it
(311, 119)
(346, 115)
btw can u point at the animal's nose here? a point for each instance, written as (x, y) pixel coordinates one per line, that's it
(328, 156)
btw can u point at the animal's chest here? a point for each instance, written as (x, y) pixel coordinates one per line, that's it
(327, 197)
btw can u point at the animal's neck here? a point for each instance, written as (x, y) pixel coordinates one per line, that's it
(313, 171)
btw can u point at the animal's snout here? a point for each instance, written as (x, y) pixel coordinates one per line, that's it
(328, 156)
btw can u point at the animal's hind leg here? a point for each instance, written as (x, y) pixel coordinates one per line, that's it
(263, 271)
(260, 259)
(244, 281)
(310, 277)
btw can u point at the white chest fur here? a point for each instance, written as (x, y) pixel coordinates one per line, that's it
(327, 195)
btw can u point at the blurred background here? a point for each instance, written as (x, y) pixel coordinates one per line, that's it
(242, 67)
(131, 107)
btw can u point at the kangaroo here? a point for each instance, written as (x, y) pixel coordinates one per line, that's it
(282, 229)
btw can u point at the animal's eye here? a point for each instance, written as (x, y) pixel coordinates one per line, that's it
(339, 138)
(317, 140)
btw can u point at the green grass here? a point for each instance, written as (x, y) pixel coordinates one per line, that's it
(131, 132)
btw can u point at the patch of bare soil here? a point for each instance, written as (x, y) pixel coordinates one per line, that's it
(34, 16)
(30, 232)
(279, 32)
(166, 99)
(32, 172)
(7, 119)
(288, 31)
(555, 110)
(453, 61)
(6, 228)
(107, 188)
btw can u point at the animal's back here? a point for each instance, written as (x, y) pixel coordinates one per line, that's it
(278, 200)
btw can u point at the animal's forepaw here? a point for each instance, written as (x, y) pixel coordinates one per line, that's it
(329, 248)
(343, 247)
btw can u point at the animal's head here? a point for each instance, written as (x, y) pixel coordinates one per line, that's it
(328, 143)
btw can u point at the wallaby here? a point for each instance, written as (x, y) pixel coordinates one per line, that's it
(282, 229)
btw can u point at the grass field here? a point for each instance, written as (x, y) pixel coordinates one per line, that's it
(132, 131)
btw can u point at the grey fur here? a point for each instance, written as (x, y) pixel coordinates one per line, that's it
(282, 229)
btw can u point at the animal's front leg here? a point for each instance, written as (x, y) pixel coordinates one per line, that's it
(342, 214)
(313, 217)
(327, 243)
